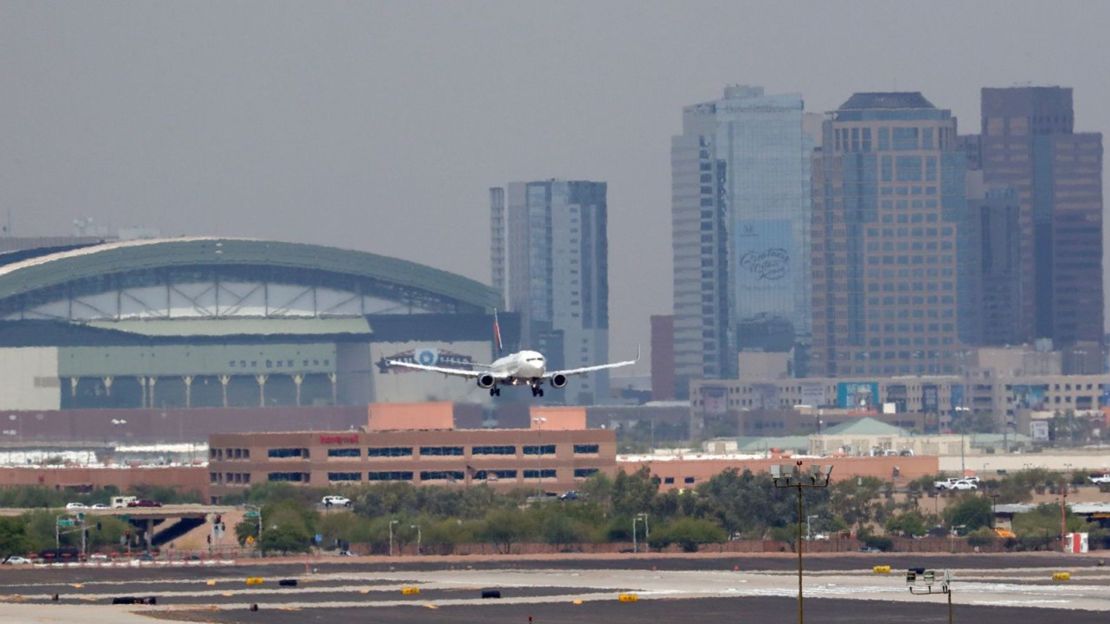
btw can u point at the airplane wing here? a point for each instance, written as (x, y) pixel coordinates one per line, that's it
(458, 372)
(589, 369)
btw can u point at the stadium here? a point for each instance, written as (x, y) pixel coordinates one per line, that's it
(129, 335)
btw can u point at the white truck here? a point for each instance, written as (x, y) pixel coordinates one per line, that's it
(120, 502)
(957, 483)
(1100, 479)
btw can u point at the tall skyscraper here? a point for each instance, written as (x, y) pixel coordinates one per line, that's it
(1028, 143)
(989, 256)
(888, 194)
(740, 218)
(549, 255)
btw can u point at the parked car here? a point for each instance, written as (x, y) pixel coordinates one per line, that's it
(569, 495)
(143, 502)
(1100, 479)
(76, 506)
(336, 501)
(100, 506)
(17, 560)
(98, 557)
(963, 485)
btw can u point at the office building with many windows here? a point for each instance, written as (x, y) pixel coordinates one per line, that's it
(549, 256)
(740, 216)
(888, 195)
(1028, 143)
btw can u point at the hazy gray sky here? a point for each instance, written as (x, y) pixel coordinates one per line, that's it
(380, 126)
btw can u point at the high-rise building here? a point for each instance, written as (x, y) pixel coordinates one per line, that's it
(989, 256)
(740, 217)
(549, 252)
(1028, 143)
(662, 357)
(888, 195)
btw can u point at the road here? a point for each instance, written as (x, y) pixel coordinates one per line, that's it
(987, 589)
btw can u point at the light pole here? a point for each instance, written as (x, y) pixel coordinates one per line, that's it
(818, 477)
(391, 523)
(539, 421)
(419, 537)
(640, 517)
(928, 578)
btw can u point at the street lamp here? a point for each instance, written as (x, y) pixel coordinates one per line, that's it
(419, 536)
(391, 523)
(640, 517)
(787, 476)
(915, 577)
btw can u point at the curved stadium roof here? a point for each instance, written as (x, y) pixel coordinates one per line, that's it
(118, 266)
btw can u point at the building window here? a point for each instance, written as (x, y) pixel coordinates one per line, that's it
(582, 473)
(440, 450)
(389, 451)
(344, 476)
(343, 452)
(668, 479)
(534, 449)
(546, 473)
(585, 449)
(297, 477)
(441, 475)
(390, 475)
(213, 476)
(493, 450)
(282, 453)
(485, 475)
(688, 480)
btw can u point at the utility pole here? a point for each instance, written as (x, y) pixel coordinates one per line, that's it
(794, 478)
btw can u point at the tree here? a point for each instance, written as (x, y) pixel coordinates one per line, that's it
(1040, 528)
(13, 537)
(285, 538)
(633, 493)
(504, 527)
(854, 500)
(688, 533)
(909, 524)
(559, 530)
(970, 511)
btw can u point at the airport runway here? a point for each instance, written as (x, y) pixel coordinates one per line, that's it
(987, 589)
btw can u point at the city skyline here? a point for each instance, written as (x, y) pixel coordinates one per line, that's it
(233, 121)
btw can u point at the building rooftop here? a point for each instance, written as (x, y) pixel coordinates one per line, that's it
(890, 99)
(865, 426)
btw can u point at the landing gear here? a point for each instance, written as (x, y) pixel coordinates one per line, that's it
(495, 391)
(537, 391)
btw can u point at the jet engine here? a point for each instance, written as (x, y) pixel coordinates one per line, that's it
(558, 381)
(486, 380)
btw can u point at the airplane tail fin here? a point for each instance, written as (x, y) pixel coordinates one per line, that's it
(497, 333)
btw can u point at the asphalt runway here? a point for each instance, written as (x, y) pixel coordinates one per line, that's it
(703, 589)
(761, 610)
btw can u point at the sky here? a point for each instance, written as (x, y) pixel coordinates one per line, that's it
(380, 126)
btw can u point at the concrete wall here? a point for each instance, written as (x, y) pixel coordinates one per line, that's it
(29, 378)
(411, 416)
(184, 478)
(688, 473)
(558, 418)
(99, 426)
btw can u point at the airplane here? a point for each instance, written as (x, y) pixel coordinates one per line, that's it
(522, 368)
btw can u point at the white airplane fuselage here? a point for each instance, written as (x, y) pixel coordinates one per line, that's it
(521, 367)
